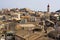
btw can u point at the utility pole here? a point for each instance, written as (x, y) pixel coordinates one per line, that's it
(43, 24)
(55, 26)
(5, 31)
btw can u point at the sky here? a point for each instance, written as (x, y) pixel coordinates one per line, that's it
(40, 5)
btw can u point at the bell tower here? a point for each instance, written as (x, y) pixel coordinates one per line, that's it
(48, 8)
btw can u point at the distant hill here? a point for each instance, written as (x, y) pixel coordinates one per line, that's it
(58, 11)
(26, 10)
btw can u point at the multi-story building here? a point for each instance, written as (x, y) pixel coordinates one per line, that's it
(16, 16)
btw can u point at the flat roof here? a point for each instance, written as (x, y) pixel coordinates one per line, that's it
(26, 25)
